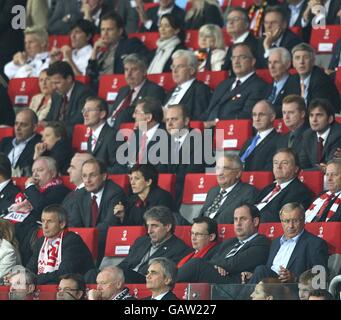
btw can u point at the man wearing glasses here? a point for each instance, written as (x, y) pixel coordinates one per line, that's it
(294, 252)
(71, 287)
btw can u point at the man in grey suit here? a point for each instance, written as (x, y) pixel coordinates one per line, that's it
(222, 200)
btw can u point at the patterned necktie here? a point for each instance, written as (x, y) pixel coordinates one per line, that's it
(319, 149)
(215, 204)
(324, 206)
(143, 144)
(124, 105)
(272, 96)
(235, 249)
(237, 84)
(94, 211)
(93, 141)
(251, 147)
(275, 190)
(63, 108)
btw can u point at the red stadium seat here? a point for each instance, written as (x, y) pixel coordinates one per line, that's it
(80, 135)
(57, 41)
(191, 40)
(67, 183)
(109, 85)
(259, 179)
(184, 233)
(197, 125)
(313, 180)
(119, 239)
(212, 78)
(198, 291)
(150, 5)
(238, 3)
(227, 38)
(148, 38)
(264, 74)
(83, 79)
(271, 230)
(6, 132)
(127, 129)
(338, 82)
(225, 231)
(164, 80)
(139, 291)
(21, 90)
(166, 181)
(4, 291)
(297, 30)
(280, 126)
(338, 119)
(121, 179)
(20, 182)
(324, 39)
(232, 133)
(46, 291)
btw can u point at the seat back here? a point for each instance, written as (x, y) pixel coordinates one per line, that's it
(21, 90)
(164, 80)
(212, 78)
(323, 39)
(149, 39)
(265, 75)
(46, 291)
(20, 182)
(259, 179)
(67, 183)
(271, 230)
(127, 129)
(313, 180)
(57, 41)
(6, 132)
(166, 181)
(184, 233)
(4, 292)
(80, 135)
(121, 179)
(225, 231)
(191, 40)
(109, 85)
(280, 126)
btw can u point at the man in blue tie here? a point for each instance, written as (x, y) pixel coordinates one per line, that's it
(258, 151)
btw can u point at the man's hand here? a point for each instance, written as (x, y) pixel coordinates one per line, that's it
(20, 58)
(86, 10)
(270, 37)
(94, 294)
(221, 271)
(67, 52)
(286, 276)
(245, 276)
(119, 211)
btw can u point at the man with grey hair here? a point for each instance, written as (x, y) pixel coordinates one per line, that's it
(161, 278)
(311, 81)
(279, 64)
(193, 94)
(159, 242)
(22, 283)
(34, 59)
(222, 200)
(110, 285)
(138, 87)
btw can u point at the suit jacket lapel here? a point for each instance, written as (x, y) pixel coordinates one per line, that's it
(86, 212)
(297, 250)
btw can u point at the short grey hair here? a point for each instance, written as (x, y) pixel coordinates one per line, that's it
(50, 162)
(304, 47)
(168, 268)
(115, 273)
(232, 156)
(288, 207)
(135, 59)
(30, 277)
(283, 52)
(192, 60)
(39, 32)
(268, 104)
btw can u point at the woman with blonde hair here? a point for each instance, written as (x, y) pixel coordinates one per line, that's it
(203, 12)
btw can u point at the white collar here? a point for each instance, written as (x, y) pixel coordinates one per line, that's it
(160, 296)
(98, 130)
(265, 133)
(285, 184)
(324, 135)
(242, 37)
(150, 133)
(4, 184)
(243, 79)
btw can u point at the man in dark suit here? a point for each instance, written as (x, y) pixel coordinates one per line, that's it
(95, 202)
(326, 207)
(8, 190)
(237, 27)
(193, 94)
(7, 114)
(294, 11)
(258, 151)
(69, 254)
(235, 97)
(294, 116)
(221, 201)
(138, 87)
(321, 141)
(69, 96)
(286, 188)
(283, 83)
(128, 11)
(293, 253)
(276, 34)
(160, 242)
(20, 149)
(311, 81)
(151, 18)
(335, 61)
(111, 48)
(161, 279)
(246, 251)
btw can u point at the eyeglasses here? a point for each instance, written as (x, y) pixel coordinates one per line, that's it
(294, 221)
(234, 19)
(90, 110)
(281, 163)
(198, 234)
(241, 57)
(66, 289)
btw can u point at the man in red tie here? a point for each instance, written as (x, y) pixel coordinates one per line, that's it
(286, 187)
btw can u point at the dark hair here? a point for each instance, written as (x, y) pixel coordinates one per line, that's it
(253, 210)
(277, 9)
(80, 281)
(86, 26)
(181, 107)
(148, 171)
(58, 128)
(162, 214)
(275, 288)
(101, 103)
(5, 166)
(290, 151)
(153, 106)
(306, 276)
(62, 68)
(241, 10)
(34, 117)
(175, 23)
(212, 225)
(59, 210)
(321, 293)
(324, 104)
(115, 17)
(102, 166)
(169, 269)
(245, 45)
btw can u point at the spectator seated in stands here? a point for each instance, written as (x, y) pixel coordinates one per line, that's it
(294, 117)
(335, 61)
(204, 238)
(231, 192)
(80, 51)
(311, 81)
(327, 207)
(321, 141)
(20, 149)
(35, 57)
(294, 252)
(71, 286)
(145, 195)
(335, 287)
(286, 187)
(258, 151)
(161, 278)
(41, 102)
(59, 251)
(271, 289)
(68, 97)
(320, 294)
(246, 251)
(191, 93)
(203, 12)
(159, 242)
(22, 284)
(94, 10)
(211, 53)
(106, 56)
(56, 145)
(110, 286)
(171, 39)
(305, 284)
(138, 87)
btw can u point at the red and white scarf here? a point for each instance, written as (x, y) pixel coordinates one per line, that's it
(315, 207)
(50, 255)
